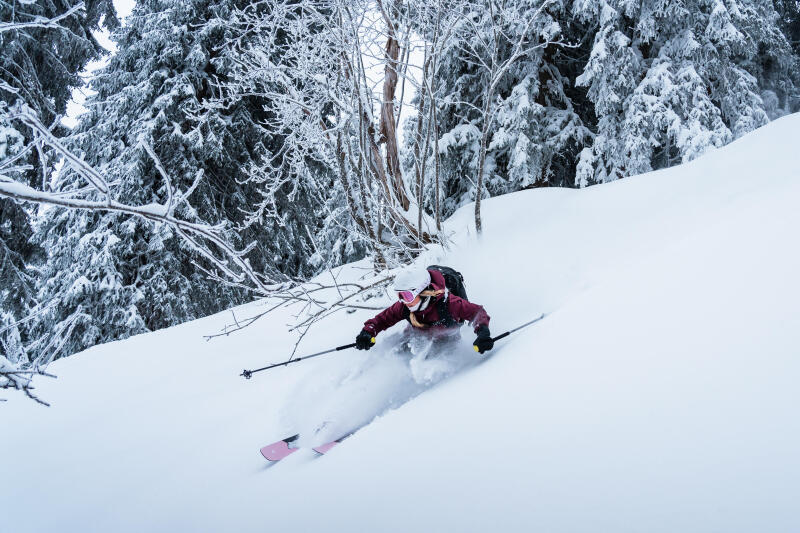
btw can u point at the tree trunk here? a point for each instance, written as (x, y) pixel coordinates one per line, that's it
(482, 161)
(387, 124)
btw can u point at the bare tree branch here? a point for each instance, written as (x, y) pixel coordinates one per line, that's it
(22, 380)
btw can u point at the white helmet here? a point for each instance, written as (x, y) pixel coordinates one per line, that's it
(412, 280)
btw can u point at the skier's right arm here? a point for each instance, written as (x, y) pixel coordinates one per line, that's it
(385, 319)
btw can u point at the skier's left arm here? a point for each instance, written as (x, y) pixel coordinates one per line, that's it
(464, 310)
(476, 315)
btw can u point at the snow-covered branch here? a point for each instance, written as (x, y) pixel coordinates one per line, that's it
(209, 240)
(21, 380)
(17, 367)
(327, 103)
(42, 22)
(343, 300)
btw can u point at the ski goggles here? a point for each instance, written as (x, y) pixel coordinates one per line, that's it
(406, 296)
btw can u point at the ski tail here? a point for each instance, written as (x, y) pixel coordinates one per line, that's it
(280, 449)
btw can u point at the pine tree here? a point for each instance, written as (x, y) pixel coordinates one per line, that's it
(670, 80)
(115, 275)
(40, 66)
(537, 127)
(635, 85)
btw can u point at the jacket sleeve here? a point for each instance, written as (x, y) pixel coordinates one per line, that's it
(386, 318)
(461, 309)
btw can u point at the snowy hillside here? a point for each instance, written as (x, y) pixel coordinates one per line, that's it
(659, 394)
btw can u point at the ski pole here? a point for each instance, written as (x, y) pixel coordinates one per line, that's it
(247, 374)
(509, 332)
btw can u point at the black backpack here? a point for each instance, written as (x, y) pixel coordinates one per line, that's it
(453, 280)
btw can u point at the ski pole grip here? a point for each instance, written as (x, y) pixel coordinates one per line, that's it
(501, 336)
(346, 346)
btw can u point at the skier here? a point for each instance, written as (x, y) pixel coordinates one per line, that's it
(427, 304)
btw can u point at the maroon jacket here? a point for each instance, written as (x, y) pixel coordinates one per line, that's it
(460, 310)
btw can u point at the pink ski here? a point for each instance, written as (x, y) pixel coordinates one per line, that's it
(279, 450)
(325, 448)
(284, 448)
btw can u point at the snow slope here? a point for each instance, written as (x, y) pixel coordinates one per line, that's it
(660, 394)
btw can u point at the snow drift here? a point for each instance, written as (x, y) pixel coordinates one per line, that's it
(659, 394)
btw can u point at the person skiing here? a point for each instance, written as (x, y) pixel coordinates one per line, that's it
(425, 301)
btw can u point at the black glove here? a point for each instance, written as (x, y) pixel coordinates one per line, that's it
(484, 342)
(365, 340)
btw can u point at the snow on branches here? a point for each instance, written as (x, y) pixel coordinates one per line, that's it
(208, 240)
(315, 63)
(20, 379)
(17, 366)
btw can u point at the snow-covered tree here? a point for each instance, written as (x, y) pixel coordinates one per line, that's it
(118, 275)
(669, 80)
(322, 102)
(45, 46)
(789, 23)
(634, 85)
(17, 285)
(505, 104)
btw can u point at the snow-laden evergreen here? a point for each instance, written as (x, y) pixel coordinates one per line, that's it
(623, 87)
(119, 275)
(39, 64)
(534, 124)
(659, 394)
(670, 80)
